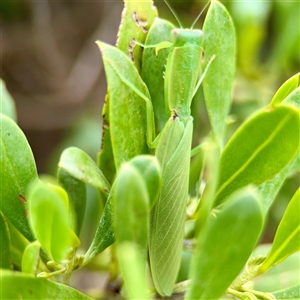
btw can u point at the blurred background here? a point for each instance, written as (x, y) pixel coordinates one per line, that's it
(53, 68)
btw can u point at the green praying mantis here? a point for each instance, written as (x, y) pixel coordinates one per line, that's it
(183, 77)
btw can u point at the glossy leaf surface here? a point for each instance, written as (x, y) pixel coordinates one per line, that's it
(233, 228)
(16, 285)
(50, 220)
(259, 149)
(17, 172)
(286, 241)
(82, 167)
(219, 41)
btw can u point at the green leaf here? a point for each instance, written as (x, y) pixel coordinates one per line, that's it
(16, 285)
(270, 188)
(7, 104)
(286, 88)
(17, 172)
(18, 245)
(286, 241)
(259, 150)
(292, 293)
(131, 207)
(31, 258)
(127, 108)
(149, 168)
(104, 235)
(137, 18)
(154, 67)
(50, 220)
(219, 40)
(5, 245)
(133, 270)
(76, 190)
(225, 244)
(131, 223)
(82, 167)
(293, 98)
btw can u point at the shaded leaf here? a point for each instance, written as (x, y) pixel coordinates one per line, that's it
(259, 149)
(50, 220)
(219, 40)
(5, 245)
(153, 68)
(82, 167)
(76, 190)
(104, 235)
(17, 172)
(286, 241)
(16, 285)
(286, 88)
(233, 229)
(7, 104)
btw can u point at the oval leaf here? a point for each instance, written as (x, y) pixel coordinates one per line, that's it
(259, 150)
(288, 87)
(234, 229)
(16, 285)
(50, 220)
(219, 41)
(286, 241)
(82, 167)
(17, 172)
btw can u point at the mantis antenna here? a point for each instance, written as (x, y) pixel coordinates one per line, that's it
(200, 14)
(173, 13)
